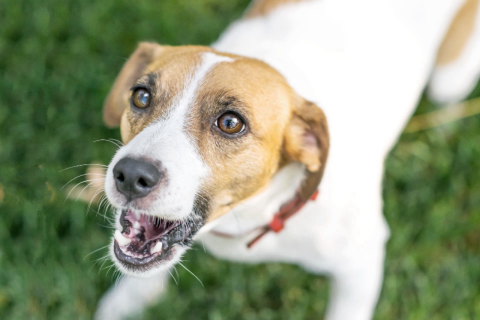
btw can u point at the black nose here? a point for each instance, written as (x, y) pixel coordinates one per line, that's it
(135, 178)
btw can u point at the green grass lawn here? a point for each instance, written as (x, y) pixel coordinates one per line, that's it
(58, 60)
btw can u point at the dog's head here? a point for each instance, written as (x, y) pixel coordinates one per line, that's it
(203, 131)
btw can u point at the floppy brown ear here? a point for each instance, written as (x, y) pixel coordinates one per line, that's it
(307, 141)
(117, 99)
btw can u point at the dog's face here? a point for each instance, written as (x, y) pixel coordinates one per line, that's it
(203, 131)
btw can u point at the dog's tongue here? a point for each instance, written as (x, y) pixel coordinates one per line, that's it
(143, 229)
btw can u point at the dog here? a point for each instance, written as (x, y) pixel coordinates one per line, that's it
(228, 144)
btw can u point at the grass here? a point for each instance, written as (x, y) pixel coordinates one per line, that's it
(58, 60)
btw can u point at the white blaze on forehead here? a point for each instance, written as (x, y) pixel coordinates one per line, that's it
(209, 60)
(167, 141)
(177, 112)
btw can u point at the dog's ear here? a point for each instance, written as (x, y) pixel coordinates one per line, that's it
(118, 97)
(307, 141)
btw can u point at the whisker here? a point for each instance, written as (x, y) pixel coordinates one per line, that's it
(85, 174)
(105, 140)
(109, 207)
(102, 201)
(119, 278)
(105, 260)
(176, 271)
(112, 265)
(175, 280)
(68, 195)
(110, 220)
(97, 261)
(102, 189)
(88, 185)
(95, 251)
(86, 164)
(105, 257)
(191, 273)
(117, 141)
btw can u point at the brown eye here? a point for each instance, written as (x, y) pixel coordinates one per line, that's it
(230, 123)
(141, 98)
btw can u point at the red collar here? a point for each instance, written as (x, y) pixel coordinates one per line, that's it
(278, 221)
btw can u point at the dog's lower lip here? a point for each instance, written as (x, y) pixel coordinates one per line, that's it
(132, 261)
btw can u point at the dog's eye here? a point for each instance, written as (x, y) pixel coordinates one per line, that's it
(141, 98)
(230, 123)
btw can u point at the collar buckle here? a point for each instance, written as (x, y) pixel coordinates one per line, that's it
(278, 221)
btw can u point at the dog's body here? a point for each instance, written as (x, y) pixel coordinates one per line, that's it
(366, 64)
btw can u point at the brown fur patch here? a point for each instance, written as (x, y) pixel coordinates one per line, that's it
(263, 7)
(117, 99)
(242, 165)
(457, 36)
(307, 140)
(165, 78)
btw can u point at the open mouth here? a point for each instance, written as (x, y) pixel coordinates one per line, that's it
(146, 241)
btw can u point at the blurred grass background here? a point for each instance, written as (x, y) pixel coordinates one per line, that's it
(58, 60)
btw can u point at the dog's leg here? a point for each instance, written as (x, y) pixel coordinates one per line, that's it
(356, 286)
(130, 297)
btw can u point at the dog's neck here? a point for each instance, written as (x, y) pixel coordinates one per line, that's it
(259, 210)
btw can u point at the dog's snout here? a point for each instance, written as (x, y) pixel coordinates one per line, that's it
(135, 178)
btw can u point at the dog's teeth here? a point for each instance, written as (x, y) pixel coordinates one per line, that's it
(121, 239)
(136, 225)
(156, 248)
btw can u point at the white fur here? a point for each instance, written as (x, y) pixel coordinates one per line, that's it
(366, 64)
